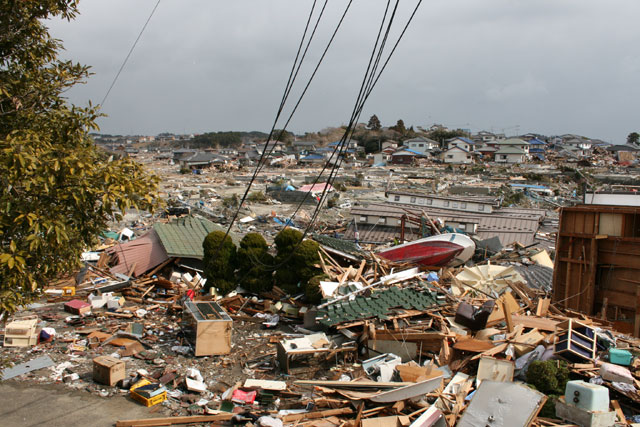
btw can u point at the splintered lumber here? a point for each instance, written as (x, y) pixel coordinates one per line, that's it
(169, 421)
(540, 323)
(315, 415)
(352, 384)
(473, 345)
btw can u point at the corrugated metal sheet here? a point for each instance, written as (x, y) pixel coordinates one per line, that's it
(145, 252)
(379, 234)
(507, 238)
(516, 225)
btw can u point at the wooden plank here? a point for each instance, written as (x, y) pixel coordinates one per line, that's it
(542, 307)
(316, 414)
(543, 324)
(618, 409)
(169, 421)
(636, 326)
(507, 315)
(473, 345)
(353, 384)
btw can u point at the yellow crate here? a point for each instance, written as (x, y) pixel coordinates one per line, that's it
(151, 401)
(68, 290)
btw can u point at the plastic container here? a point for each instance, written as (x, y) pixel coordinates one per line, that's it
(620, 356)
(587, 396)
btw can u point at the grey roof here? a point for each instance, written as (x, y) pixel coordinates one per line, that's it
(510, 149)
(511, 141)
(304, 143)
(509, 228)
(623, 147)
(537, 276)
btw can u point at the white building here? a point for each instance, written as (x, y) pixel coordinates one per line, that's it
(457, 156)
(421, 145)
(466, 204)
(510, 154)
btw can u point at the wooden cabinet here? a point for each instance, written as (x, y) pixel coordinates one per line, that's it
(207, 327)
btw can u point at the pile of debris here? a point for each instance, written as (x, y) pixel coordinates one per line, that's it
(389, 345)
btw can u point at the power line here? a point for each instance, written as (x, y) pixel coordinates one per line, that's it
(365, 91)
(129, 54)
(292, 78)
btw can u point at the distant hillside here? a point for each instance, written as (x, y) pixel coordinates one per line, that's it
(225, 139)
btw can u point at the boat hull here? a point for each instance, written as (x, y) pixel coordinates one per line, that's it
(435, 251)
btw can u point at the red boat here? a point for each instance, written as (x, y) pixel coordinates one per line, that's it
(449, 249)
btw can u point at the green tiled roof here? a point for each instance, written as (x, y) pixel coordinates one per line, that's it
(380, 304)
(183, 237)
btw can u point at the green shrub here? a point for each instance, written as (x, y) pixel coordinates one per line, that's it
(312, 289)
(257, 196)
(549, 377)
(219, 262)
(232, 201)
(254, 264)
(299, 266)
(286, 240)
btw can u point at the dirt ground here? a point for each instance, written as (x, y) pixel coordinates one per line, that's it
(55, 405)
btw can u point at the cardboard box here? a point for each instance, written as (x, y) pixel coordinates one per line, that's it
(76, 306)
(108, 370)
(21, 333)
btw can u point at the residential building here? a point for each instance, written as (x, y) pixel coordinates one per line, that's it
(510, 154)
(513, 142)
(456, 155)
(404, 157)
(421, 145)
(468, 204)
(461, 142)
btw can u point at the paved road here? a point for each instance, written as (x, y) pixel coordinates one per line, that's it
(56, 405)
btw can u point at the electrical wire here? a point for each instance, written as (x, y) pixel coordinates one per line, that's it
(364, 93)
(265, 153)
(115, 79)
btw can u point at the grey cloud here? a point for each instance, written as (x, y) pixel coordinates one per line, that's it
(548, 66)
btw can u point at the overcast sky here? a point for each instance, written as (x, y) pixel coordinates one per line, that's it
(545, 66)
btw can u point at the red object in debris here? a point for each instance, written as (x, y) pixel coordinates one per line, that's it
(191, 294)
(447, 249)
(242, 397)
(77, 307)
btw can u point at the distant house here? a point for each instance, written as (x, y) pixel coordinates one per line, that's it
(182, 153)
(457, 155)
(469, 204)
(271, 147)
(510, 154)
(421, 145)
(389, 144)
(537, 148)
(583, 146)
(304, 147)
(515, 143)
(202, 160)
(314, 158)
(404, 157)
(484, 136)
(487, 152)
(228, 151)
(624, 153)
(461, 142)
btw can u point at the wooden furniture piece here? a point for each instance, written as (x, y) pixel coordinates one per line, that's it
(207, 327)
(575, 341)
